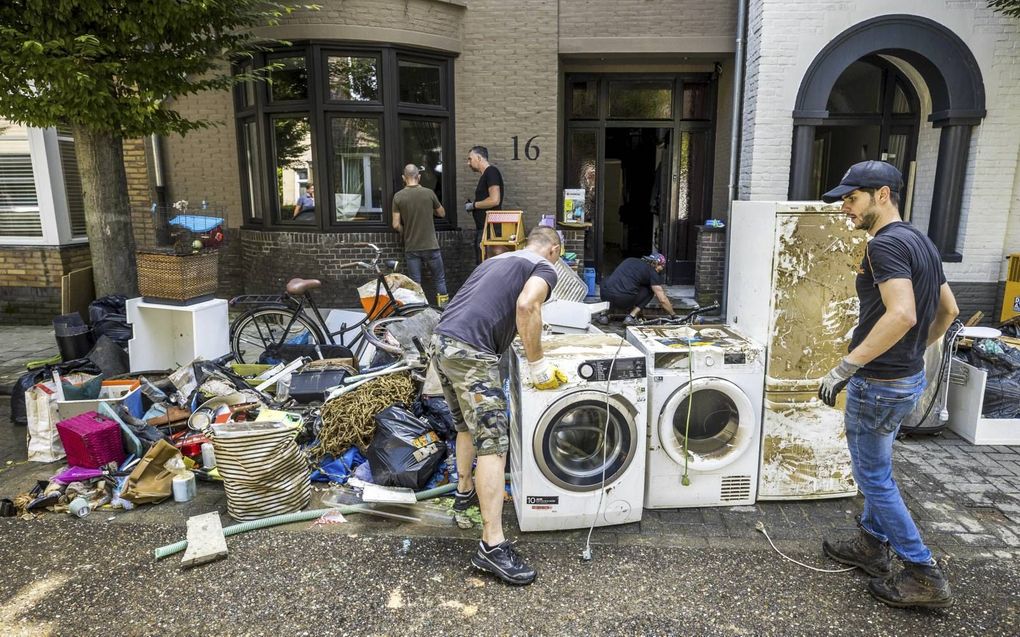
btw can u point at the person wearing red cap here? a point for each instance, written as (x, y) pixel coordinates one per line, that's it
(633, 284)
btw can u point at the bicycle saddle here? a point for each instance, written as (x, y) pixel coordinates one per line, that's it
(300, 286)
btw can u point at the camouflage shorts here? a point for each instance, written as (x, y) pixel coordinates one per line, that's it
(471, 385)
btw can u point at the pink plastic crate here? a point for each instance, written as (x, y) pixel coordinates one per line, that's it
(91, 440)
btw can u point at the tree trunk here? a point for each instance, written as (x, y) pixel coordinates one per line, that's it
(107, 211)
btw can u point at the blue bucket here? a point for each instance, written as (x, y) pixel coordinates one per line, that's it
(589, 280)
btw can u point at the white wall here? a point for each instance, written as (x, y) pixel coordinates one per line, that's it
(784, 38)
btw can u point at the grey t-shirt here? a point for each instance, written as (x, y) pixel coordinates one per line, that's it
(483, 312)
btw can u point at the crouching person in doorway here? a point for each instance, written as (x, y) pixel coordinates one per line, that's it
(632, 285)
(503, 296)
(906, 305)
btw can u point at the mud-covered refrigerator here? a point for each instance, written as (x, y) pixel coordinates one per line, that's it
(792, 270)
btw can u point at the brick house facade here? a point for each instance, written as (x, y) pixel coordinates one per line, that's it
(511, 66)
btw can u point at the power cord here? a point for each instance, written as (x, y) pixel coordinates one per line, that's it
(760, 527)
(586, 553)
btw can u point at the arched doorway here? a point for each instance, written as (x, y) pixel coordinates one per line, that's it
(873, 114)
(953, 79)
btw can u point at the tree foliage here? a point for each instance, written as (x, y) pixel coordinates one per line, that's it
(111, 65)
(1007, 7)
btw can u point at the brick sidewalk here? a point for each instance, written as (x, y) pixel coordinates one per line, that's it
(20, 344)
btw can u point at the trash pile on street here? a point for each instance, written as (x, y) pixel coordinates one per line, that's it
(264, 433)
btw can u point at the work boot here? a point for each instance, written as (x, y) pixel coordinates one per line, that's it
(464, 501)
(864, 551)
(504, 562)
(921, 585)
(630, 320)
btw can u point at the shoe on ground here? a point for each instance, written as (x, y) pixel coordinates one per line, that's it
(630, 320)
(916, 585)
(864, 551)
(603, 319)
(464, 501)
(504, 562)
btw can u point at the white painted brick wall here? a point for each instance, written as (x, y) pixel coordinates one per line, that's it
(784, 38)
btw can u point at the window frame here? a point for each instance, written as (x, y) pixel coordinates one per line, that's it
(320, 109)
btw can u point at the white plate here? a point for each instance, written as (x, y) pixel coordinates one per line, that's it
(978, 331)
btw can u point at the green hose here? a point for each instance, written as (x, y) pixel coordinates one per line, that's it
(297, 516)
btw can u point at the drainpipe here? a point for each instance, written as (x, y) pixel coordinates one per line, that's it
(159, 221)
(735, 129)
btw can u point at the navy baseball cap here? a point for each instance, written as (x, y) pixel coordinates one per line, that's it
(866, 174)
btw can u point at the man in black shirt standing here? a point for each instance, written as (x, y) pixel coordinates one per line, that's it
(906, 305)
(488, 193)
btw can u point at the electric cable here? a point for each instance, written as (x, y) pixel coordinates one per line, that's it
(586, 554)
(760, 527)
(951, 344)
(685, 479)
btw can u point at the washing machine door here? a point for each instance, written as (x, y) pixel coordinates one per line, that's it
(575, 445)
(721, 427)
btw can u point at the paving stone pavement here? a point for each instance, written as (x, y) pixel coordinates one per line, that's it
(20, 344)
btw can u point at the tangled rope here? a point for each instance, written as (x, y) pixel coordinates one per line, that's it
(349, 420)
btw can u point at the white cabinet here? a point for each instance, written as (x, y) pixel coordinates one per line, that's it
(169, 336)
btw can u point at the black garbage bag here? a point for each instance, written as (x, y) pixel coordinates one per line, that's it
(110, 357)
(405, 451)
(437, 412)
(19, 415)
(1002, 387)
(109, 317)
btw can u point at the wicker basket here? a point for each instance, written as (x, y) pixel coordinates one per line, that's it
(177, 278)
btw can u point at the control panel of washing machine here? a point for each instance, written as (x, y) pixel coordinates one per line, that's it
(596, 370)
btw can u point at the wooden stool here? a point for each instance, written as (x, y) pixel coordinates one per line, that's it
(503, 232)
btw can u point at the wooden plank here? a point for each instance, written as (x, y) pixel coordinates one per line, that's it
(205, 540)
(77, 290)
(975, 319)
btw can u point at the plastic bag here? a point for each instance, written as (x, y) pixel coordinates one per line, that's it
(405, 292)
(405, 451)
(435, 410)
(1002, 388)
(109, 316)
(19, 415)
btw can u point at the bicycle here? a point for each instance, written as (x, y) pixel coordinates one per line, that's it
(288, 323)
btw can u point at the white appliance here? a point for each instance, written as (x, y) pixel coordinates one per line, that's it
(562, 449)
(705, 397)
(792, 271)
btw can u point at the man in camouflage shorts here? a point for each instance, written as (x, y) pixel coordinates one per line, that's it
(502, 295)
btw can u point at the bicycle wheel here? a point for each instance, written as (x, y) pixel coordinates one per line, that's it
(260, 329)
(377, 331)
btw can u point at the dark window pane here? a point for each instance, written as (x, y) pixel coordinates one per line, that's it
(422, 145)
(584, 99)
(641, 100)
(582, 153)
(900, 102)
(858, 90)
(249, 144)
(356, 168)
(292, 148)
(247, 89)
(290, 82)
(353, 79)
(696, 103)
(419, 83)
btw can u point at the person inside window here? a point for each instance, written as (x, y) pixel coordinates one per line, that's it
(304, 209)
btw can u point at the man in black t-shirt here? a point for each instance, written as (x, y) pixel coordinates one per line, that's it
(633, 284)
(489, 192)
(906, 305)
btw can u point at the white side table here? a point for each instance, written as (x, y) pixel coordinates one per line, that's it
(169, 336)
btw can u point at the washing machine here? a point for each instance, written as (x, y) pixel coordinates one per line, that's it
(570, 466)
(706, 385)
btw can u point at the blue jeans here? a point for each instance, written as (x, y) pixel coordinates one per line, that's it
(875, 409)
(434, 259)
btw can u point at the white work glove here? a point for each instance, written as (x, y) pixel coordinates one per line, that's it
(835, 381)
(469, 206)
(545, 375)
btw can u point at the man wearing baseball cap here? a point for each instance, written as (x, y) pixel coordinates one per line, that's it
(906, 305)
(632, 285)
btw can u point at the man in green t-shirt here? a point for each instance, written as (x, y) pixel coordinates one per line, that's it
(414, 208)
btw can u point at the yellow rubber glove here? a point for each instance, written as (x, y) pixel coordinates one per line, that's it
(545, 375)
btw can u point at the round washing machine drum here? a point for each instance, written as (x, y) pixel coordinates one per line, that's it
(574, 445)
(721, 427)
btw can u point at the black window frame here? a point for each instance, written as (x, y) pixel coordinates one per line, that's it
(262, 213)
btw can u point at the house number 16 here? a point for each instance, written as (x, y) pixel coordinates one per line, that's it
(531, 150)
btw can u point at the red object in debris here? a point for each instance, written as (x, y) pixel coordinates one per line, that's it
(91, 440)
(189, 443)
